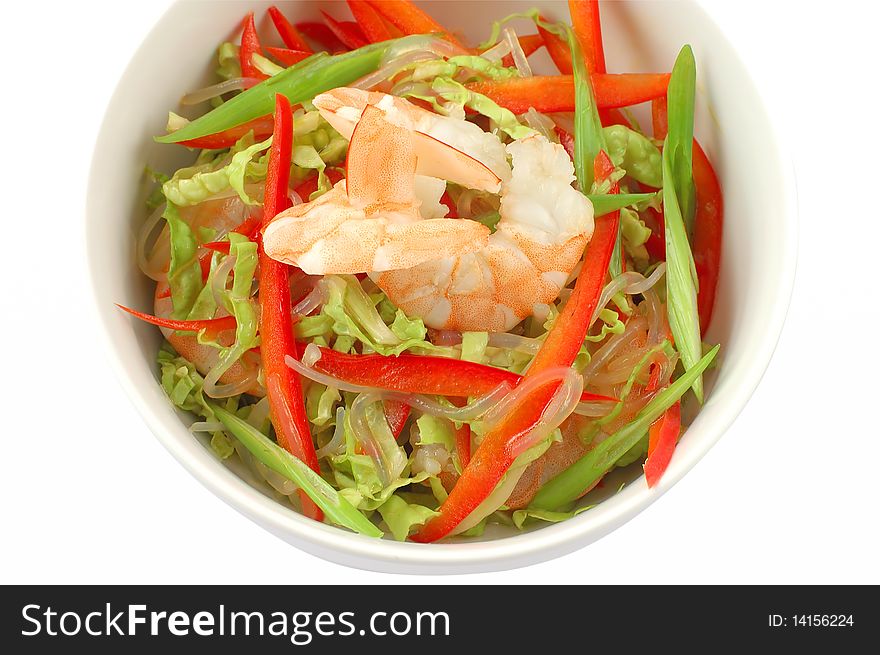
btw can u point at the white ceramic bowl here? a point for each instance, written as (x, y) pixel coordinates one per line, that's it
(755, 285)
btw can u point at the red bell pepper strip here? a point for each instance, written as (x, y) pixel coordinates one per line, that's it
(218, 246)
(409, 19)
(425, 374)
(497, 452)
(566, 140)
(463, 444)
(370, 22)
(287, 57)
(396, 414)
(249, 228)
(307, 187)
(662, 438)
(588, 29)
(250, 46)
(288, 33)
(322, 35)
(262, 128)
(212, 326)
(286, 407)
(659, 117)
(708, 230)
(708, 220)
(446, 199)
(529, 44)
(613, 116)
(558, 50)
(549, 93)
(347, 32)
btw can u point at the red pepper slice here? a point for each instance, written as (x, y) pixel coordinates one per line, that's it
(409, 19)
(463, 444)
(558, 50)
(496, 454)
(588, 29)
(370, 22)
(288, 33)
(613, 116)
(425, 374)
(212, 326)
(446, 199)
(708, 230)
(549, 93)
(262, 128)
(308, 186)
(286, 407)
(249, 228)
(250, 46)
(396, 414)
(529, 44)
(322, 35)
(287, 57)
(347, 32)
(662, 438)
(659, 118)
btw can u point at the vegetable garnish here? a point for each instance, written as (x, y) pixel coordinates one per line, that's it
(424, 374)
(442, 305)
(409, 19)
(708, 230)
(282, 386)
(289, 34)
(250, 46)
(681, 274)
(555, 93)
(569, 485)
(663, 435)
(298, 83)
(210, 328)
(586, 25)
(370, 22)
(680, 135)
(334, 506)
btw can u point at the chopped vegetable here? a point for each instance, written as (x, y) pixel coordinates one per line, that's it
(680, 137)
(323, 495)
(282, 386)
(708, 230)
(425, 374)
(289, 34)
(250, 46)
(555, 93)
(409, 19)
(587, 27)
(663, 435)
(370, 22)
(298, 83)
(349, 33)
(569, 485)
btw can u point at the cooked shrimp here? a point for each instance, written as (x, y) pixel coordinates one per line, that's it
(544, 227)
(371, 220)
(342, 108)
(452, 274)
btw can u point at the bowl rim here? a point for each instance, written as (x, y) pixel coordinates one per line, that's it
(384, 555)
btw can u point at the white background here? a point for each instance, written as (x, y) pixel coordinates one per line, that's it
(788, 495)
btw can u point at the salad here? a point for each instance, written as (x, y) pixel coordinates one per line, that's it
(419, 289)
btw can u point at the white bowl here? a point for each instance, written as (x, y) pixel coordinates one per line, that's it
(755, 284)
